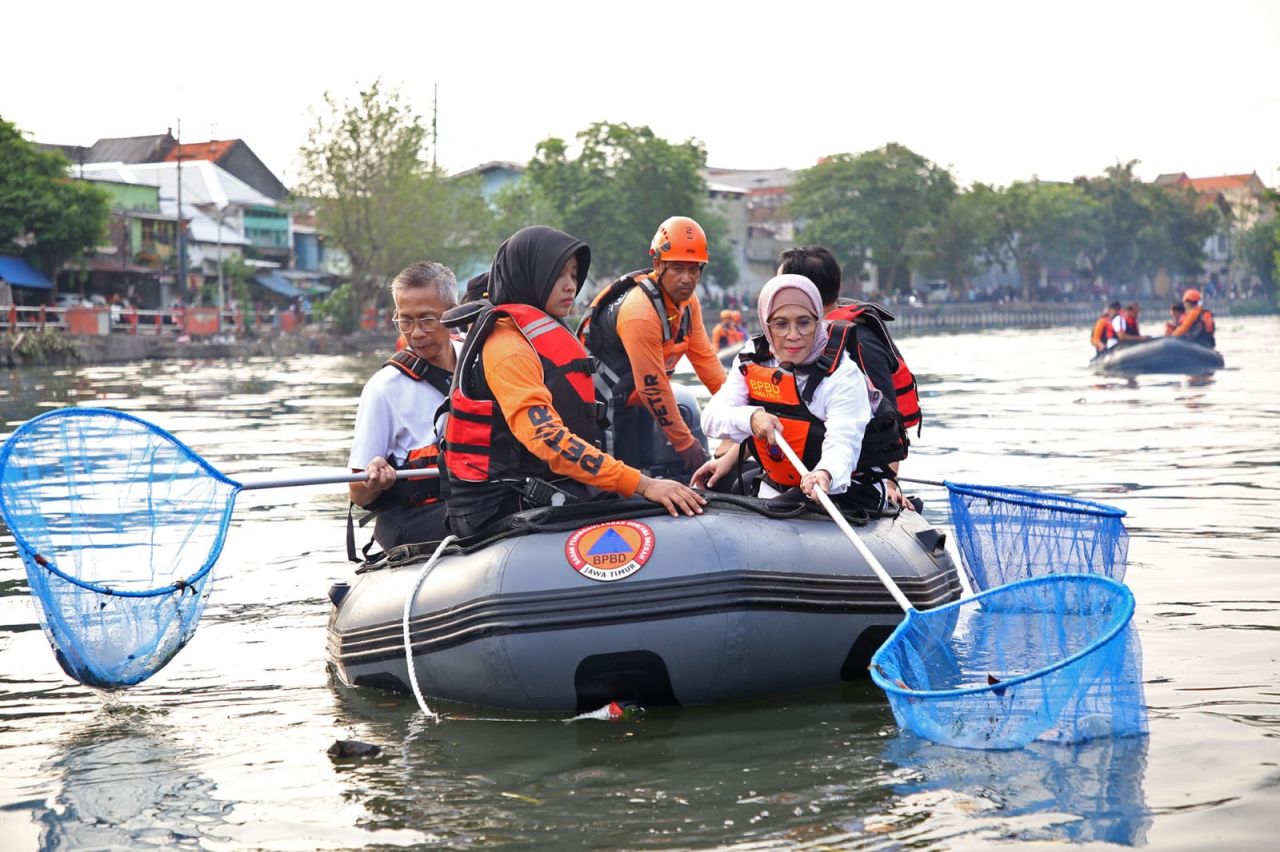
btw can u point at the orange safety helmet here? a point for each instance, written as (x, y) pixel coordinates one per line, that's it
(1191, 295)
(680, 239)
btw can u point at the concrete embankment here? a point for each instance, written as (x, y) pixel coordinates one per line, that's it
(32, 348)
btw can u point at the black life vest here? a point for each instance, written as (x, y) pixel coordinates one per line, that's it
(870, 318)
(776, 391)
(482, 457)
(598, 332)
(415, 492)
(1201, 328)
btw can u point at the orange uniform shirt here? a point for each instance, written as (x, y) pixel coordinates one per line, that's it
(514, 373)
(652, 361)
(1189, 320)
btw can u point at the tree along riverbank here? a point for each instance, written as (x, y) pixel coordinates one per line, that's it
(54, 346)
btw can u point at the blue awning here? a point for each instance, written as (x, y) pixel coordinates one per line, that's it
(277, 283)
(16, 271)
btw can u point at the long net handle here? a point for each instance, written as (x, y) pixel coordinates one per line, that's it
(335, 478)
(881, 574)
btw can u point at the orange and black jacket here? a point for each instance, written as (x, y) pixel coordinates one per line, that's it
(1103, 331)
(777, 392)
(872, 347)
(523, 406)
(415, 492)
(621, 330)
(1197, 326)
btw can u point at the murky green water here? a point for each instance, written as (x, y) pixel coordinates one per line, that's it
(225, 748)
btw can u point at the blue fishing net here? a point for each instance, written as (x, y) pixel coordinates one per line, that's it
(118, 524)
(1008, 534)
(1049, 658)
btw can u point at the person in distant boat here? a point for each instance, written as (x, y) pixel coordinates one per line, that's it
(796, 382)
(522, 429)
(871, 345)
(639, 327)
(395, 425)
(724, 334)
(740, 326)
(1197, 324)
(1104, 334)
(1126, 324)
(1176, 312)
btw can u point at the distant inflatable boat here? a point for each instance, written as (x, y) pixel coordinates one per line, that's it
(1159, 355)
(566, 609)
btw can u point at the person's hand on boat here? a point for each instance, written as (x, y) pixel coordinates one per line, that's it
(711, 472)
(693, 456)
(764, 424)
(676, 497)
(818, 479)
(893, 493)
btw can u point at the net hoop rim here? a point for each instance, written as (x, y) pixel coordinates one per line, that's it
(1127, 602)
(1036, 499)
(6, 450)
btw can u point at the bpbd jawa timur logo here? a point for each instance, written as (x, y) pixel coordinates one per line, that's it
(610, 550)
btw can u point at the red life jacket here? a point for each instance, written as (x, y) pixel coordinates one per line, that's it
(482, 456)
(1130, 325)
(867, 318)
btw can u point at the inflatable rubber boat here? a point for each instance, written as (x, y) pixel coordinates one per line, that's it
(565, 609)
(1159, 355)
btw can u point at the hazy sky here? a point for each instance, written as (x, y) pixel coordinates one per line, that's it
(997, 91)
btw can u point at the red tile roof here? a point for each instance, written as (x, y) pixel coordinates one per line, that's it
(213, 150)
(1221, 183)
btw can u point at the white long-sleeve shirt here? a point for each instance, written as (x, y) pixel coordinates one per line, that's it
(843, 402)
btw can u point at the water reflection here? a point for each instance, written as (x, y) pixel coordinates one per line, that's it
(778, 771)
(1091, 792)
(125, 783)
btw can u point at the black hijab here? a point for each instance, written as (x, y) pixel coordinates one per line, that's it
(527, 265)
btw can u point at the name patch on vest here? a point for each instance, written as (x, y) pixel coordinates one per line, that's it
(609, 551)
(761, 389)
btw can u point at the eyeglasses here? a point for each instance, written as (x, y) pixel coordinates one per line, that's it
(803, 326)
(405, 325)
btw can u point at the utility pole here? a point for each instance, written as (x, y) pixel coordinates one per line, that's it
(182, 233)
(435, 111)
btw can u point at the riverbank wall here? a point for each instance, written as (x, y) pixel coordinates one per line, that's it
(57, 347)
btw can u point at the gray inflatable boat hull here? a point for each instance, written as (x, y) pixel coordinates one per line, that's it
(1159, 355)
(724, 606)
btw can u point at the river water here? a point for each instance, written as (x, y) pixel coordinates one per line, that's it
(225, 748)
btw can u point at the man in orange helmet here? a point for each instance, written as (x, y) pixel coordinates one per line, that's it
(639, 327)
(1197, 323)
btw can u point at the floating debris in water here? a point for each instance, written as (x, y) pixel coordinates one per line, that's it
(352, 748)
(992, 680)
(611, 712)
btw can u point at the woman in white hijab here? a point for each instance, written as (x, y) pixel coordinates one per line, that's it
(821, 405)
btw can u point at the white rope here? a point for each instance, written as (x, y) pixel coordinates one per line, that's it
(408, 607)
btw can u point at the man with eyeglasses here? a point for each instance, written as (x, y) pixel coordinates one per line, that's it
(395, 421)
(638, 328)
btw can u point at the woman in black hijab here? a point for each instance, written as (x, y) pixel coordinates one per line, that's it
(522, 428)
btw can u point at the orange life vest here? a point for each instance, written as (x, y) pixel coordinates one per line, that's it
(415, 492)
(482, 457)
(868, 318)
(1103, 333)
(776, 391)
